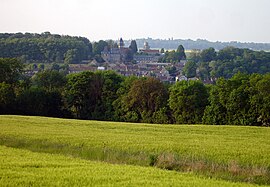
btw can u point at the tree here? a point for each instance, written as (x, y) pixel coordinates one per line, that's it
(111, 44)
(98, 47)
(194, 56)
(260, 99)
(10, 70)
(215, 112)
(72, 56)
(121, 110)
(145, 97)
(41, 67)
(207, 55)
(203, 71)
(181, 53)
(82, 93)
(7, 98)
(187, 101)
(241, 100)
(55, 67)
(49, 80)
(189, 69)
(162, 50)
(91, 95)
(37, 101)
(111, 82)
(133, 47)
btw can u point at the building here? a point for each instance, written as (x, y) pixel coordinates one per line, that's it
(115, 54)
(146, 50)
(147, 55)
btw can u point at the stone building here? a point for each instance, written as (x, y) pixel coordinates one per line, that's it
(115, 54)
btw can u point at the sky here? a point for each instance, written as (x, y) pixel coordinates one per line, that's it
(213, 20)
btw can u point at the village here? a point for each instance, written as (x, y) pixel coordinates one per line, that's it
(145, 63)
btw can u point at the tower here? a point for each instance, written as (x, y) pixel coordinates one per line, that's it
(121, 43)
(146, 46)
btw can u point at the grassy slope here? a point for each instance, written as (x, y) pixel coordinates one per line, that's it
(240, 150)
(25, 168)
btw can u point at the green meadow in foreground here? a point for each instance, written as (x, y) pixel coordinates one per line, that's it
(228, 152)
(25, 168)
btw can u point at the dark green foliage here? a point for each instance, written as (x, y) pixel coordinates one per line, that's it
(146, 97)
(229, 61)
(241, 100)
(181, 53)
(72, 56)
(37, 101)
(187, 101)
(174, 56)
(122, 112)
(90, 95)
(207, 55)
(203, 71)
(44, 47)
(142, 100)
(110, 84)
(133, 47)
(10, 70)
(7, 98)
(83, 91)
(260, 99)
(189, 69)
(215, 113)
(98, 47)
(49, 80)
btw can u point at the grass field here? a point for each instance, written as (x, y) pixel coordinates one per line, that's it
(25, 168)
(228, 152)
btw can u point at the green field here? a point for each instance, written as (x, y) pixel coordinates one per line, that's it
(227, 152)
(25, 168)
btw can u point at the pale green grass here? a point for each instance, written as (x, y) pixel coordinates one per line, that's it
(246, 145)
(229, 152)
(25, 168)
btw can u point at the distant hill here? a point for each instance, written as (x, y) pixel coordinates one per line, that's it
(198, 44)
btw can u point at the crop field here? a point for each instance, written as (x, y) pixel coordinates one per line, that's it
(24, 168)
(233, 153)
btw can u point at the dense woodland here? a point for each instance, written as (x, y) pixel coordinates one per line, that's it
(44, 47)
(243, 99)
(209, 64)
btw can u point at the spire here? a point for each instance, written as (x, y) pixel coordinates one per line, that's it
(121, 43)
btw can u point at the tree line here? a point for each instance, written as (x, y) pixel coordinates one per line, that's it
(210, 64)
(104, 95)
(45, 47)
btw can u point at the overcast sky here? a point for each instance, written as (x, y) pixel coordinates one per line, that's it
(214, 20)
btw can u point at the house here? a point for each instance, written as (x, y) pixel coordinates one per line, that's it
(181, 78)
(77, 68)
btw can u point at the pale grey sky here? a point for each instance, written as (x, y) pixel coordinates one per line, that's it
(214, 20)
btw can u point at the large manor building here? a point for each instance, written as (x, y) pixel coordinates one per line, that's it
(120, 53)
(115, 54)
